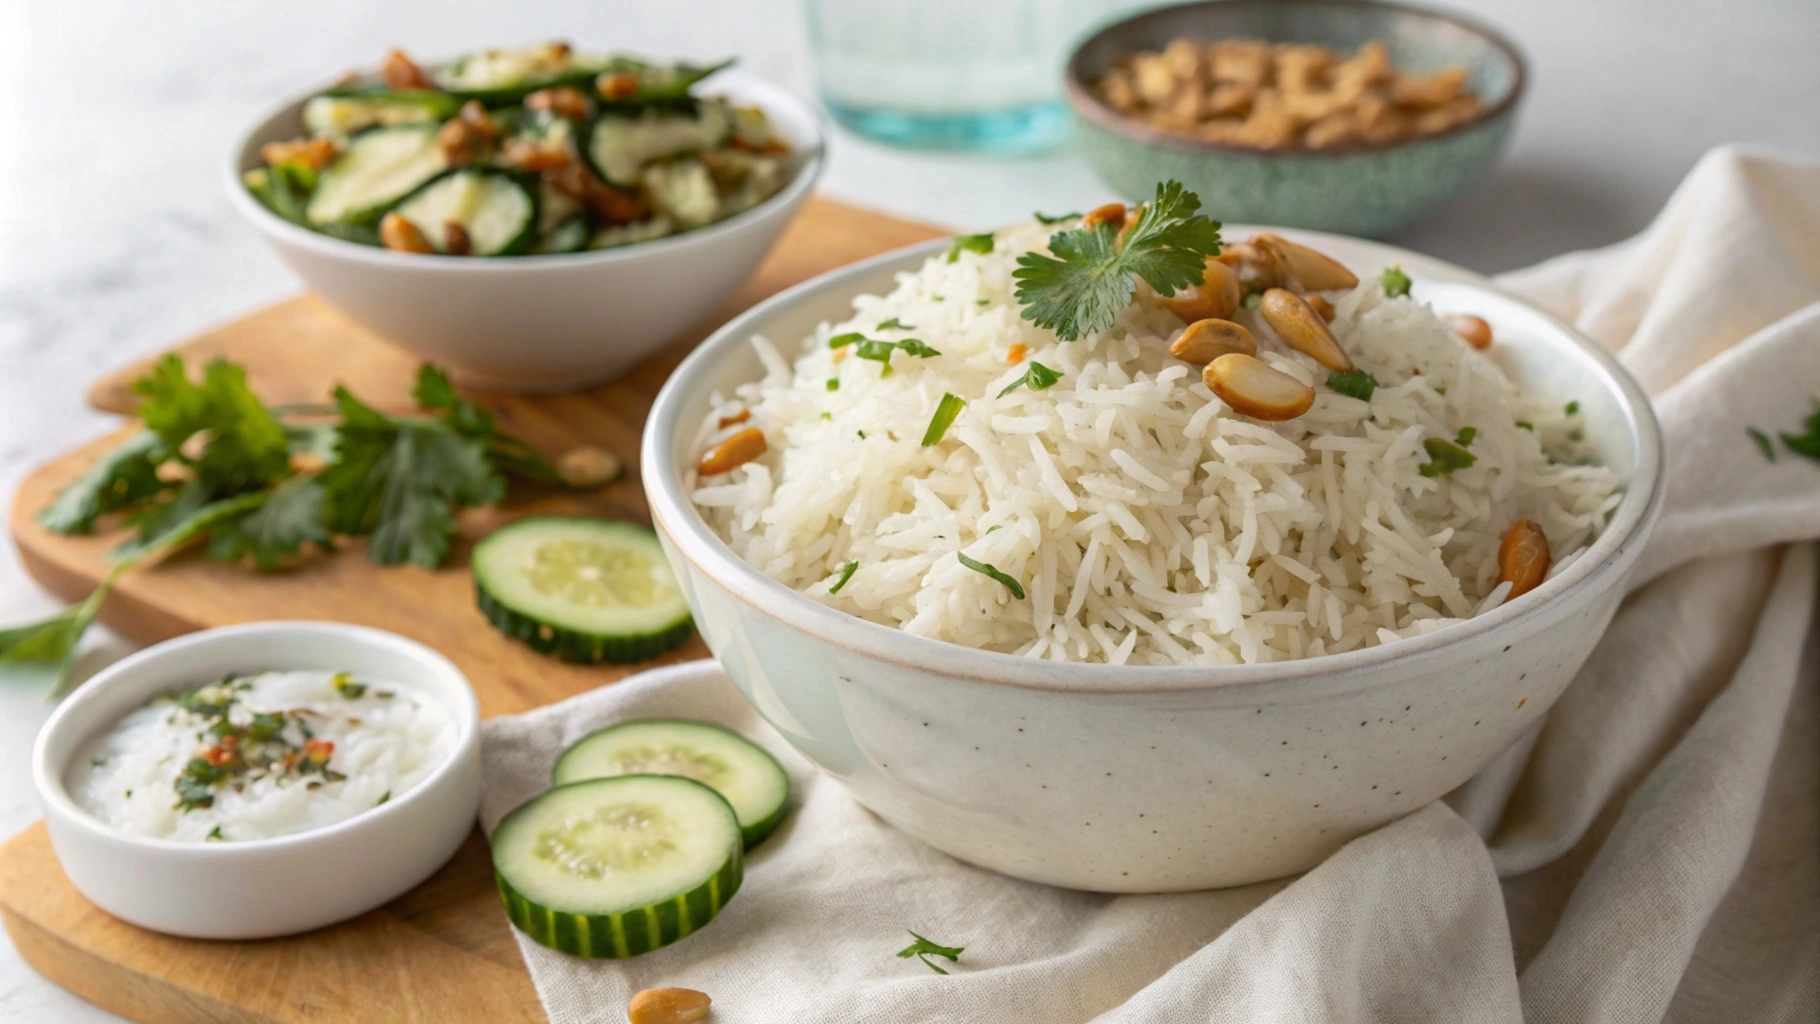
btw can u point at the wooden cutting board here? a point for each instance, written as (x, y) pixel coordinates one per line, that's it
(443, 952)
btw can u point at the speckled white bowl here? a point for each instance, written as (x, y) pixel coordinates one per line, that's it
(263, 887)
(540, 323)
(1144, 779)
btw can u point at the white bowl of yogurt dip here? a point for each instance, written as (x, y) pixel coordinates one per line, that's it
(260, 780)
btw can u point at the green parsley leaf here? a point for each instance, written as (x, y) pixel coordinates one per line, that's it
(181, 520)
(1354, 384)
(923, 949)
(1090, 278)
(1573, 408)
(1016, 588)
(843, 340)
(846, 573)
(980, 243)
(1252, 300)
(1444, 457)
(122, 477)
(894, 324)
(291, 516)
(880, 351)
(1763, 442)
(1464, 438)
(246, 448)
(1807, 443)
(1037, 377)
(214, 835)
(1043, 218)
(945, 411)
(913, 347)
(1396, 283)
(1526, 425)
(833, 384)
(435, 391)
(398, 482)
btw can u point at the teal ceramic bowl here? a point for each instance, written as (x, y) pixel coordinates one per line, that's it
(1363, 189)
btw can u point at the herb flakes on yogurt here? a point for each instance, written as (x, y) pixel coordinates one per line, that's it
(258, 756)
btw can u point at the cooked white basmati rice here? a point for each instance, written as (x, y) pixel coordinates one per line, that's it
(386, 741)
(1147, 522)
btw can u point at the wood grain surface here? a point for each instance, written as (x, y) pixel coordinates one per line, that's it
(443, 952)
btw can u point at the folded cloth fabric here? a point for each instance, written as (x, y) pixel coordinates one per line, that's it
(1650, 852)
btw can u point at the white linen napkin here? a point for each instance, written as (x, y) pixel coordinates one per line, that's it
(1650, 852)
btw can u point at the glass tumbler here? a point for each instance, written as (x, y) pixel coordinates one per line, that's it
(948, 74)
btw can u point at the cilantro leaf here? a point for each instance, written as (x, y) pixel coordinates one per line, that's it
(1807, 443)
(49, 644)
(246, 449)
(923, 949)
(1037, 377)
(846, 573)
(1464, 438)
(880, 351)
(1763, 442)
(1445, 457)
(1354, 384)
(434, 390)
(843, 340)
(398, 482)
(1396, 283)
(122, 477)
(945, 411)
(894, 324)
(985, 569)
(980, 243)
(290, 516)
(181, 520)
(1082, 287)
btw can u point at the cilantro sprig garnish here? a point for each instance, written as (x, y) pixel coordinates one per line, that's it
(923, 949)
(1037, 377)
(846, 573)
(1092, 276)
(1354, 384)
(1445, 456)
(989, 570)
(980, 243)
(216, 465)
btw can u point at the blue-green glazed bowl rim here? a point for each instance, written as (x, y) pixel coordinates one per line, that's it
(1090, 106)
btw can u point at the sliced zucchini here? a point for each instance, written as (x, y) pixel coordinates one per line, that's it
(615, 235)
(340, 113)
(569, 236)
(496, 209)
(621, 146)
(378, 168)
(586, 590)
(498, 77)
(684, 191)
(613, 868)
(742, 771)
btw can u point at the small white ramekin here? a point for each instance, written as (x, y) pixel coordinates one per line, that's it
(267, 887)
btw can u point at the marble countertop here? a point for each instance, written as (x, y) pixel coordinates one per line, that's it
(116, 239)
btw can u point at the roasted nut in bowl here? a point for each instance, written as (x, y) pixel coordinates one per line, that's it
(1151, 778)
(292, 847)
(541, 323)
(1297, 172)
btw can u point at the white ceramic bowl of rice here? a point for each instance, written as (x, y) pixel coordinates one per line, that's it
(287, 847)
(1285, 635)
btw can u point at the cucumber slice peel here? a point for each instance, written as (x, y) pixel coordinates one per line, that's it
(612, 868)
(743, 772)
(585, 590)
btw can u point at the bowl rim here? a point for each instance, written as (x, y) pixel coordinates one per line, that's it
(1089, 106)
(54, 795)
(1605, 561)
(812, 166)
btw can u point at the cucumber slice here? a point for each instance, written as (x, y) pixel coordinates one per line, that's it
(340, 113)
(684, 191)
(744, 179)
(616, 235)
(620, 146)
(586, 590)
(495, 207)
(742, 771)
(617, 867)
(569, 236)
(379, 168)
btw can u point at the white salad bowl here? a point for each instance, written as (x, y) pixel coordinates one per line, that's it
(1151, 779)
(266, 887)
(540, 323)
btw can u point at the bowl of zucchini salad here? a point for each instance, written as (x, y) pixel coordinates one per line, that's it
(1123, 550)
(536, 218)
(260, 780)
